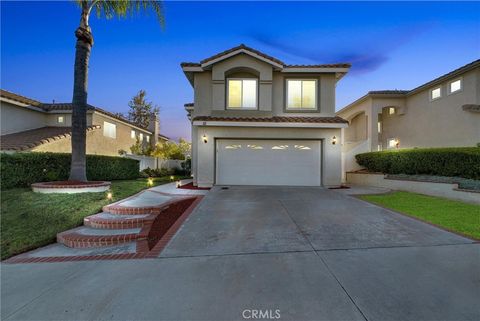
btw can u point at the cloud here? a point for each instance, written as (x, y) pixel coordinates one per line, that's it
(366, 52)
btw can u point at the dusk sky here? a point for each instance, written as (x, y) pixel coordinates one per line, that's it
(390, 45)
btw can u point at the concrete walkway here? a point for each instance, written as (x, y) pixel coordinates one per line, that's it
(311, 253)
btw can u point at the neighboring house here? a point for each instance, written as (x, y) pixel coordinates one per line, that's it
(29, 125)
(443, 112)
(258, 121)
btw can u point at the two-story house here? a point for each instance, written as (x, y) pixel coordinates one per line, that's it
(30, 125)
(258, 121)
(444, 112)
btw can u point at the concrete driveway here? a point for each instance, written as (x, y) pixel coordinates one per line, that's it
(310, 253)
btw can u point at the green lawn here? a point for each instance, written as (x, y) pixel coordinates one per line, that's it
(30, 220)
(455, 216)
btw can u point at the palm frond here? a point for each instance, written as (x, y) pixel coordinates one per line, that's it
(124, 8)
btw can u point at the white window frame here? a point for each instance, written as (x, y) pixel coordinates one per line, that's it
(61, 121)
(431, 92)
(106, 131)
(450, 92)
(133, 134)
(256, 94)
(301, 108)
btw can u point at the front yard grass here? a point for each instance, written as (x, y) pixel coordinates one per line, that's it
(31, 220)
(459, 217)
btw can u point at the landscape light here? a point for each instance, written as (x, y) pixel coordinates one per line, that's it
(109, 196)
(150, 181)
(178, 184)
(172, 178)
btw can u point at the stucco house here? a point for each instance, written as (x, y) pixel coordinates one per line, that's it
(259, 121)
(444, 112)
(30, 125)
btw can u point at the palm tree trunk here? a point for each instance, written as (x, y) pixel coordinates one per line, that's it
(79, 102)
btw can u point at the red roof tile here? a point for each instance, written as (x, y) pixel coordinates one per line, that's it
(276, 119)
(31, 138)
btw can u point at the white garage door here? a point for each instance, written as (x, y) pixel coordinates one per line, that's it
(268, 162)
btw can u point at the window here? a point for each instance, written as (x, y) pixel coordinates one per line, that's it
(148, 139)
(379, 127)
(379, 147)
(109, 130)
(435, 93)
(141, 137)
(242, 93)
(391, 110)
(132, 134)
(301, 94)
(60, 119)
(455, 86)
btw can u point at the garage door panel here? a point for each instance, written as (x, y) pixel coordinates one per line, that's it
(268, 162)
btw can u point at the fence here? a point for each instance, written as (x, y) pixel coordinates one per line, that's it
(155, 162)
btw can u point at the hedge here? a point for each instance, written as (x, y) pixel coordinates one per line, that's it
(453, 161)
(23, 169)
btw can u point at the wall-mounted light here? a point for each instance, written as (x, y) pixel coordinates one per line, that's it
(397, 143)
(204, 137)
(334, 140)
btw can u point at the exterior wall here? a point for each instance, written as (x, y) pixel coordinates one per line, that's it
(210, 89)
(204, 163)
(102, 145)
(51, 119)
(16, 119)
(438, 123)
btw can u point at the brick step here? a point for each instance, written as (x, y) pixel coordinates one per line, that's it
(86, 237)
(106, 220)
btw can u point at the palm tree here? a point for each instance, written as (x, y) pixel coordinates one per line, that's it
(107, 9)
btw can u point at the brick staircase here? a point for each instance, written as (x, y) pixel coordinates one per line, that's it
(121, 223)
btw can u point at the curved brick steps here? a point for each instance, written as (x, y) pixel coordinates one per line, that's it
(117, 221)
(86, 237)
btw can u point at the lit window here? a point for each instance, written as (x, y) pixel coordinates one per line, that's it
(379, 147)
(435, 93)
(109, 130)
(60, 119)
(392, 143)
(242, 93)
(301, 94)
(391, 110)
(148, 139)
(141, 137)
(455, 86)
(379, 127)
(132, 134)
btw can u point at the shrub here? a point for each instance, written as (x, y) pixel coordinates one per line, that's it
(453, 161)
(158, 172)
(23, 169)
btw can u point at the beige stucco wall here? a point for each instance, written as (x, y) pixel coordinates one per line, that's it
(16, 118)
(438, 123)
(210, 89)
(204, 162)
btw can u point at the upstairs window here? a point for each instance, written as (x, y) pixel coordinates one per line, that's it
(242, 93)
(132, 134)
(301, 94)
(109, 130)
(435, 93)
(455, 86)
(60, 119)
(141, 137)
(148, 139)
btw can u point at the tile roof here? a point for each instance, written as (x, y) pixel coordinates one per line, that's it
(388, 92)
(276, 119)
(32, 138)
(264, 55)
(19, 98)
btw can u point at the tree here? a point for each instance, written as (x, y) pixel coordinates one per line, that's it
(168, 150)
(107, 9)
(141, 110)
(185, 147)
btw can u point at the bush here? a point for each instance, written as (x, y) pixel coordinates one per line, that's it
(158, 172)
(453, 161)
(23, 169)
